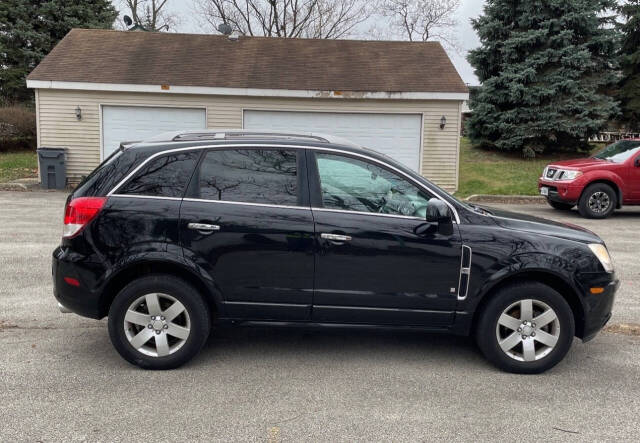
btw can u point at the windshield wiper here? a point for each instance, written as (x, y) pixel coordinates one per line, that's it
(479, 210)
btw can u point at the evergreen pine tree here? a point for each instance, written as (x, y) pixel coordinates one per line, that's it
(543, 66)
(629, 88)
(29, 29)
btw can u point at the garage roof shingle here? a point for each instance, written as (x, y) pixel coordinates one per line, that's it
(146, 58)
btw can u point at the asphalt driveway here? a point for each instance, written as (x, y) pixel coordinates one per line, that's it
(60, 378)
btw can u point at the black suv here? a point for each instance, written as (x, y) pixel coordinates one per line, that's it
(262, 228)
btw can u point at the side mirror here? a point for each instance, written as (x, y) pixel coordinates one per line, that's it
(438, 213)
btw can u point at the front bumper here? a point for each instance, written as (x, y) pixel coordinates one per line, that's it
(561, 191)
(598, 307)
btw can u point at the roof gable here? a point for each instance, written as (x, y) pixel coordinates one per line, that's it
(193, 60)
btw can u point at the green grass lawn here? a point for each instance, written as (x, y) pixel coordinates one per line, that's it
(14, 165)
(489, 172)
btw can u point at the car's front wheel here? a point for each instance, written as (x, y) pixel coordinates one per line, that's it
(158, 322)
(559, 205)
(597, 201)
(526, 328)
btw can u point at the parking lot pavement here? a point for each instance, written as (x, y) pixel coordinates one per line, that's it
(60, 378)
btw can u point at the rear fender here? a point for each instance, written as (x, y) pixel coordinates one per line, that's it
(171, 262)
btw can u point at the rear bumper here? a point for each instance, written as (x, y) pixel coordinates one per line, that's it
(77, 299)
(563, 192)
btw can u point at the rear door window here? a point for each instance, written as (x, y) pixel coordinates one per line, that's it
(265, 176)
(165, 176)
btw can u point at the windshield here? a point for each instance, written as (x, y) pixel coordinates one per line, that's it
(619, 152)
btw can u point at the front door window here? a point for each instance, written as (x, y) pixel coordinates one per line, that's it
(355, 185)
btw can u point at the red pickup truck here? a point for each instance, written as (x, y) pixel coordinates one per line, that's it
(599, 184)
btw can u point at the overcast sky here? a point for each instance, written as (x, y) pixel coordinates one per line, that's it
(466, 35)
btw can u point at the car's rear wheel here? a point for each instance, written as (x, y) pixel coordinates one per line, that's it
(597, 201)
(559, 205)
(526, 328)
(158, 322)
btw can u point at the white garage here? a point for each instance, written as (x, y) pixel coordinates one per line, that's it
(132, 123)
(94, 91)
(396, 135)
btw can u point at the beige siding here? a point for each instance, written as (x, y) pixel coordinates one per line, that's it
(59, 127)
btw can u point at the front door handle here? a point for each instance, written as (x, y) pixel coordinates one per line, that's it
(203, 227)
(335, 237)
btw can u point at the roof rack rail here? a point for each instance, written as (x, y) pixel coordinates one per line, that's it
(220, 135)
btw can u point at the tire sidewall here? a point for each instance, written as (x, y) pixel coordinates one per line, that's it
(583, 205)
(486, 331)
(183, 292)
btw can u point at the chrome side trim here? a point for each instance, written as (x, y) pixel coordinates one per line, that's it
(375, 214)
(264, 205)
(276, 145)
(464, 270)
(153, 197)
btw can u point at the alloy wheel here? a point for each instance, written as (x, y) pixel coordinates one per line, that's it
(528, 330)
(599, 202)
(157, 324)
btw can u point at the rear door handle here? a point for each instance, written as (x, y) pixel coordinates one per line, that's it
(204, 227)
(335, 237)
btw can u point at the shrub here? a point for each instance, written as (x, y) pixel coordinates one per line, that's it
(17, 128)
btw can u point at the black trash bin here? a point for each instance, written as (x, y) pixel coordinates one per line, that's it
(53, 171)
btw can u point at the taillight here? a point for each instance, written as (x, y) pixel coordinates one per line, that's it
(79, 212)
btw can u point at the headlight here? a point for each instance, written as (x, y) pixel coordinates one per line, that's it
(566, 174)
(601, 252)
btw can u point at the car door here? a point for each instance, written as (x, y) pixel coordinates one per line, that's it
(246, 220)
(379, 261)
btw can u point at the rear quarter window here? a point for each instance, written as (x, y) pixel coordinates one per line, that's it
(110, 172)
(164, 176)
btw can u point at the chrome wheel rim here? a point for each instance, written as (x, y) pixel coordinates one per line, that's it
(157, 324)
(599, 202)
(528, 330)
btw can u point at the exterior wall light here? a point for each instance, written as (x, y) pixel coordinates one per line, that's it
(443, 122)
(78, 113)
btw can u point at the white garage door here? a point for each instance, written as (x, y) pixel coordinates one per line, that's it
(132, 123)
(397, 135)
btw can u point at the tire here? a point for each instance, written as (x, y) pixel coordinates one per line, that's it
(182, 327)
(560, 206)
(593, 199)
(510, 300)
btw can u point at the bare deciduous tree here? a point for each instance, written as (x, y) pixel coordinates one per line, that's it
(287, 18)
(151, 14)
(422, 20)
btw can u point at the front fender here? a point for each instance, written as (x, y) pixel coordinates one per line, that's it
(483, 281)
(600, 175)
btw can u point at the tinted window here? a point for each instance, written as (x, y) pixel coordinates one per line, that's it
(250, 175)
(165, 176)
(109, 173)
(356, 185)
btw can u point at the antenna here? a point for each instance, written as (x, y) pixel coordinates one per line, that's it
(127, 20)
(225, 29)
